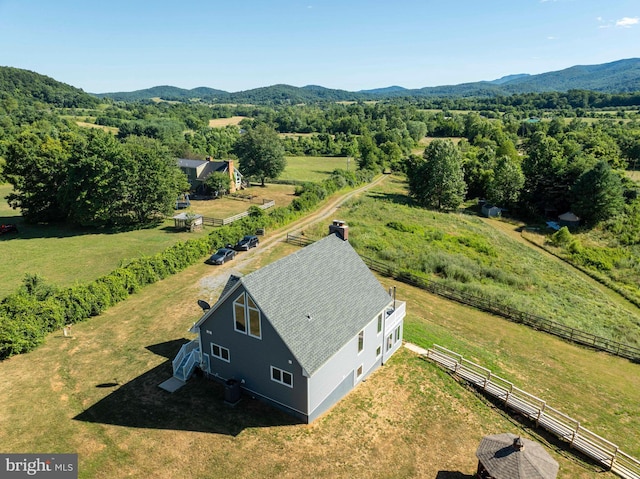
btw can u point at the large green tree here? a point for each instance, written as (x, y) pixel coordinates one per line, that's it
(598, 194)
(261, 153)
(36, 167)
(438, 180)
(110, 183)
(506, 182)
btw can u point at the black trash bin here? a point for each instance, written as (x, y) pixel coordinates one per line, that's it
(232, 391)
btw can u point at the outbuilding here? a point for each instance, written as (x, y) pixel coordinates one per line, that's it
(507, 456)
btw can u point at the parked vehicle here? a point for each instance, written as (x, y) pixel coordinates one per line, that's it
(222, 256)
(9, 228)
(246, 243)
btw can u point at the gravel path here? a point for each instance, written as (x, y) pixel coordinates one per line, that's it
(211, 284)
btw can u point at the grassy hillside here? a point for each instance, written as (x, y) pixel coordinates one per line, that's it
(465, 252)
(96, 394)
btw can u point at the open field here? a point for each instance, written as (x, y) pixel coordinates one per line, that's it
(314, 168)
(96, 394)
(110, 129)
(65, 255)
(222, 122)
(633, 174)
(424, 142)
(467, 253)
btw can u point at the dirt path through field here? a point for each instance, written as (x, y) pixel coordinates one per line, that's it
(211, 283)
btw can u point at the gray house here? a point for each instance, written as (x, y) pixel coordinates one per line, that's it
(301, 332)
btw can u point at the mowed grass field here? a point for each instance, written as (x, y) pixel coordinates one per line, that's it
(97, 394)
(222, 122)
(65, 255)
(314, 168)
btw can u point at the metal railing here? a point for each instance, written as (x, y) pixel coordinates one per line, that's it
(604, 452)
(184, 350)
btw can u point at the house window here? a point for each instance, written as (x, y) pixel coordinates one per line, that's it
(397, 334)
(246, 316)
(359, 372)
(239, 314)
(360, 341)
(379, 323)
(282, 377)
(389, 341)
(378, 351)
(219, 352)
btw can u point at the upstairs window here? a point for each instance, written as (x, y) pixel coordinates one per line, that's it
(246, 316)
(379, 323)
(360, 341)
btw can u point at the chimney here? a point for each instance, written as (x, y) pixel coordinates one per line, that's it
(232, 175)
(340, 228)
(518, 444)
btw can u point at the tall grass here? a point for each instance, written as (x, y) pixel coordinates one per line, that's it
(463, 252)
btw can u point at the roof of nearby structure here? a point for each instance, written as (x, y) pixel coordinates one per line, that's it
(317, 299)
(503, 460)
(568, 216)
(184, 216)
(208, 166)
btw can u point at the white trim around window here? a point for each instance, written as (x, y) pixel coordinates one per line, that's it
(220, 352)
(281, 376)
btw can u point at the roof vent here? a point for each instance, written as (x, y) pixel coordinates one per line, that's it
(340, 228)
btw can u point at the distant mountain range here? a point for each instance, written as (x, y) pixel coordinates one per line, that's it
(621, 76)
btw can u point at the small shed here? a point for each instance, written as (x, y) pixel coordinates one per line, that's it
(190, 221)
(491, 211)
(507, 456)
(569, 219)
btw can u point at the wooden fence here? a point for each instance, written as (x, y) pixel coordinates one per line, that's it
(265, 204)
(537, 322)
(569, 430)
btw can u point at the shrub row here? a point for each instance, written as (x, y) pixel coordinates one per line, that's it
(36, 309)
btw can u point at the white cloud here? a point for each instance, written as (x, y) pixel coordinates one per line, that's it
(551, 37)
(627, 22)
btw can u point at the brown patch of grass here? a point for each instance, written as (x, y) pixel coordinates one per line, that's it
(222, 122)
(110, 129)
(408, 419)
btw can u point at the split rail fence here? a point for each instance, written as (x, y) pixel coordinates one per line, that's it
(484, 304)
(604, 452)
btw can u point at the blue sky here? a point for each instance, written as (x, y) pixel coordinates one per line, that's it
(124, 45)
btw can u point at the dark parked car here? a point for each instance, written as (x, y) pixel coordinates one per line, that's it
(246, 243)
(221, 256)
(10, 228)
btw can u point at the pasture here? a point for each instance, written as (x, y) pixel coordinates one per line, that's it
(222, 122)
(467, 253)
(96, 394)
(66, 255)
(314, 168)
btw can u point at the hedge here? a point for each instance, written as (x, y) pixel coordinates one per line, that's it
(28, 315)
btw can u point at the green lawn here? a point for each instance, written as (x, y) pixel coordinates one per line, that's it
(314, 168)
(96, 394)
(65, 256)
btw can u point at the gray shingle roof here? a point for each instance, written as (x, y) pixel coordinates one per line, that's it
(317, 299)
(503, 461)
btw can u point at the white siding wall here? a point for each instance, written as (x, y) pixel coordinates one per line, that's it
(345, 363)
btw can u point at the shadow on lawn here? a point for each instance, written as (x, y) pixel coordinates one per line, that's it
(453, 475)
(197, 406)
